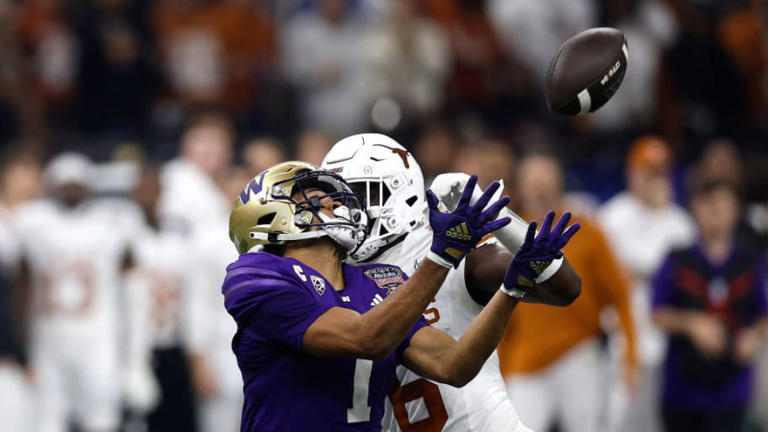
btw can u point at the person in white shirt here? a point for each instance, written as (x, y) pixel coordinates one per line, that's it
(75, 249)
(643, 224)
(387, 175)
(189, 191)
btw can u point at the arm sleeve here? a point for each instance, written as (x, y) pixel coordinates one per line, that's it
(277, 309)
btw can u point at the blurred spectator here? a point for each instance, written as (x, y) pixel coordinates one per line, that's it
(312, 146)
(114, 66)
(221, 52)
(649, 27)
(551, 358)
(20, 182)
(721, 160)
(534, 31)
(52, 47)
(742, 33)
(75, 254)
(216, 377)
(436, 151)
(409, 58)
(324, 60)
(711, 299)
(20, 110)
(189, 194)
(643, 224)
(161, 266)
(262, 153)
(701, 93)
(491, 160)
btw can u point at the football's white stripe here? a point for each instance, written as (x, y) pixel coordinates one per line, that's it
(626, 52)
(585, 101)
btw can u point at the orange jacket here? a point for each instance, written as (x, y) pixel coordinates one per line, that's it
(538, 335)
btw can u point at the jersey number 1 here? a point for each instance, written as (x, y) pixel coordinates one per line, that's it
(360, 411)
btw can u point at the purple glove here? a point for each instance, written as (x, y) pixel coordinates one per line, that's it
(537, 253)
(458, 232)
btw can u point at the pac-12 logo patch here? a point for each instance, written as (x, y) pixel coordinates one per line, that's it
(318, 283)
(387, 278)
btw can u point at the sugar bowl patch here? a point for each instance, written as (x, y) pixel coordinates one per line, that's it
(387, 278)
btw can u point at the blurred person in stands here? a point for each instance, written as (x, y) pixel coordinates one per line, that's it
(262, 153)
(311, 146)
(651, 26)
(552, 359)
(158, 279)
(711, 299)
(74, 249)
(479, 70)
(190, 194)
(436, 151)
(20, 181)
(409, 58)
(702, 92)
(217, 380)
(492, 160)
(51, 47)
(534, 31)
(721, 159)
(323, 59)
(216, 52)
(643, 224)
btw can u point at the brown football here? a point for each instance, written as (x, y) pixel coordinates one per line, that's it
(586, 71)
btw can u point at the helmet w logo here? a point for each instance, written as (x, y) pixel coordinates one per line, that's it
(252, 188)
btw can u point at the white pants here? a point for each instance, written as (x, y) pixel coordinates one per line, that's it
(16, 399)
(77, 379)
(570, 391)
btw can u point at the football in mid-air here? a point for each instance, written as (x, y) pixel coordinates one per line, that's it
(586, 71)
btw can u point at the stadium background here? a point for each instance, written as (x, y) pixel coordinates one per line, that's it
(458, 82)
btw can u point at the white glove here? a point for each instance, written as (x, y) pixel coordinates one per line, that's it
(140, 389)
(447, 187)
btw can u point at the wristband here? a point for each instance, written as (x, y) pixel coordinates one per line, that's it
(437, 259)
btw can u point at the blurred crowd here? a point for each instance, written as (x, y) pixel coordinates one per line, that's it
(127, 127)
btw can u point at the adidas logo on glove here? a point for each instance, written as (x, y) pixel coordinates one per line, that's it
(459, 232)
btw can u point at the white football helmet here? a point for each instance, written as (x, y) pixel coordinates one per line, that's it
(388, 177)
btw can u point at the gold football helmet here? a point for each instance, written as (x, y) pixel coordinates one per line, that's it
(266, 211)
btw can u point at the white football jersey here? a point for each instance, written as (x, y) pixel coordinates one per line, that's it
(75, 257)
(161, 266)
(481, 405)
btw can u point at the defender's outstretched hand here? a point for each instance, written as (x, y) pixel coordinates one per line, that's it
(458, 232)
(537, 253)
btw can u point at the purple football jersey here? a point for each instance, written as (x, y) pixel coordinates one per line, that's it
(274, 300)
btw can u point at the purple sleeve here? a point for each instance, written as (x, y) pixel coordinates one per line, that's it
(407, 341)
(271, 305)
(663, 285)
(286, 315)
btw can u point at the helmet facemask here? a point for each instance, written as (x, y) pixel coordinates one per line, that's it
(386, 224)
(347, 226)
